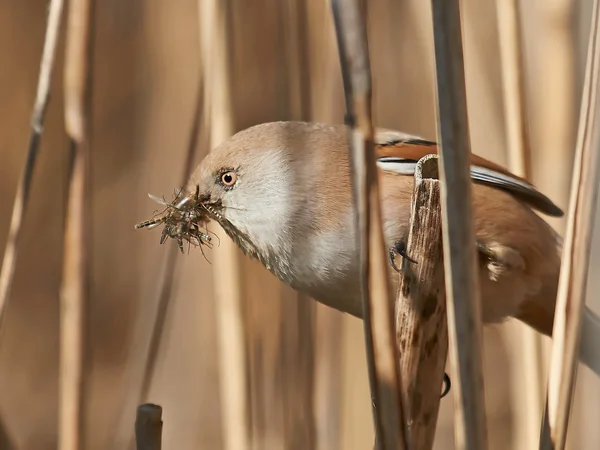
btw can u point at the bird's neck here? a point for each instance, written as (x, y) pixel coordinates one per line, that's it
(275, 260)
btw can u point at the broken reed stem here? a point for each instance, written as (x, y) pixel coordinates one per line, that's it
(75, 282)
(576, 254)
(462, 283)
(168, 273)
(9, 261)
(384, 374)
(421, 324)
(529, 374)
(216, 47)
(148, 427)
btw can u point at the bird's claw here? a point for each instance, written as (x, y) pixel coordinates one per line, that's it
(447, 385)
(399, 248)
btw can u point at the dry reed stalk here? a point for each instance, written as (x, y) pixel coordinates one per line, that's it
(421, 324)
(513, 84)
(329, 375)
(328, 379)
(148, 427)
(555, 109)
(529, 374)
(297, 339)
(168, 273)
(296, 99)
(556, 114)
(216, 38)
(279, 321)
(75, 283)
(462, 283)
(576, 254)
(382, 353)
(9, 261)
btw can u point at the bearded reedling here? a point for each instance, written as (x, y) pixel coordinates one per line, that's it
(283, 192)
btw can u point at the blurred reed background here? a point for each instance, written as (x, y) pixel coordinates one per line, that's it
(303, 365)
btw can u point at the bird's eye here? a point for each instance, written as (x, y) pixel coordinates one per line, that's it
(228, 179)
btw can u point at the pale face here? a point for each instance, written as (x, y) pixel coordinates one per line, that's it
(253, 190)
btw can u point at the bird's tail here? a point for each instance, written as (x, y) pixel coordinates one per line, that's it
(539, 314)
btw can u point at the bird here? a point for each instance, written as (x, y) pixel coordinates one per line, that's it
(282, 191)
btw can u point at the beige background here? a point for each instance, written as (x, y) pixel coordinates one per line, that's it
(147, 68)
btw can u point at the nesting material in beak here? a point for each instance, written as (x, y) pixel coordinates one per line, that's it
(184, 219)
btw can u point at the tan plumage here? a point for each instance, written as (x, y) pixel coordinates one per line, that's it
(291, 207)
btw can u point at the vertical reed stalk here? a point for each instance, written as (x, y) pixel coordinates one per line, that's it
(529, 374)
(462, 284)
(328, 379)
(513, 84)
(297, 338)
(168, 272)
(75, 283)
(9, 261)
(556, 104)
(216, 43)
(576, 254)
(382, 352)
(330, 334)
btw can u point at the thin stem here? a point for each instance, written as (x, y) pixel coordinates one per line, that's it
(75, 282)
(572, 284)
(529, 374)
(462, 284)
(168, 273)
(380, 338)
(37, 125)
(228, 282)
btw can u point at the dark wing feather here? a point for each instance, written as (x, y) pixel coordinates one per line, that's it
(399, 153)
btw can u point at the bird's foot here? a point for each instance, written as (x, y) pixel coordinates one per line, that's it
(399, 248)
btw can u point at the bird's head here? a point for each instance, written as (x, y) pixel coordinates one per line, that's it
(266, 184)
(282, 191)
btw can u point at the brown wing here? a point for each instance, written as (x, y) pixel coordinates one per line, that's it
(392, 149)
